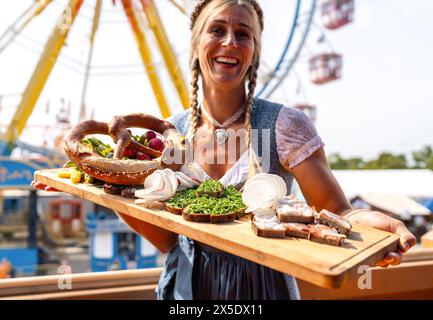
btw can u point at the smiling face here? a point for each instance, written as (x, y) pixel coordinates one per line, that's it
(226, 48)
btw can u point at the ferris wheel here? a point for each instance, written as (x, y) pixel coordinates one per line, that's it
(158, 26)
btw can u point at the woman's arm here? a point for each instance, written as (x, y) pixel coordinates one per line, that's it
(318, 184)
(162, 239)
(321, 190)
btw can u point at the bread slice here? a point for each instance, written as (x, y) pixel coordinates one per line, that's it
(268, 230)
(173, 209)
(114, 189)
(289, 210)
(205, 217)
(297, 230)
(195, 217)
(324, 234)
(337, 222)
(129, 192)
(222, 218)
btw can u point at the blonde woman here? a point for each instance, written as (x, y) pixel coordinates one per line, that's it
(225, 55)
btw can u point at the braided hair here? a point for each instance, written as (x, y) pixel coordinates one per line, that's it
(199, 16)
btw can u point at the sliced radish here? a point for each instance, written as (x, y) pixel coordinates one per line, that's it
(185, 181)
(262, 191)
(280, 181)
(171, 177)
(154, 182)
(193, 171)
(265, 203)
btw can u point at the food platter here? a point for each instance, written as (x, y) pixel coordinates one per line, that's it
(322, 265)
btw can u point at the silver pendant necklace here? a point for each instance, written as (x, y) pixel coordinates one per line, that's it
(221, 134)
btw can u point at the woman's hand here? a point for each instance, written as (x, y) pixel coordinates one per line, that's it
(41, 186)
(384, 222)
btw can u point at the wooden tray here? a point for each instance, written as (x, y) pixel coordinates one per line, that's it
(323, 265)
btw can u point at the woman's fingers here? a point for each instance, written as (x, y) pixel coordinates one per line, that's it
(407, 239)
(382, 264)
(393, 258)
(51, 189)
(41, 186)
(38, 185)
(390, 259)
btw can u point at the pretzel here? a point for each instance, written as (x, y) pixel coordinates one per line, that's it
(117, 170)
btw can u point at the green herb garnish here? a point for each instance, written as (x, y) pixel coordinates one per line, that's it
(103, 149)
(229, 201)
(210, 187)
(182, 198)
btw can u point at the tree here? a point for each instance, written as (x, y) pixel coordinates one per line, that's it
(337, 162)
(423, 158)
(387, 160)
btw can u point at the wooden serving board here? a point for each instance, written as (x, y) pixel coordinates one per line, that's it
(320, 264)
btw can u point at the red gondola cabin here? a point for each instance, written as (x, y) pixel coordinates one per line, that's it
(337, 13)
(325, 67)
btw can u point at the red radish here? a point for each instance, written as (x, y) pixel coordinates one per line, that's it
(129, 153)
(150, 135)
(156, 144)
(142, 156)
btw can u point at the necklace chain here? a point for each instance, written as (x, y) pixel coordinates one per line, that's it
(226, 123)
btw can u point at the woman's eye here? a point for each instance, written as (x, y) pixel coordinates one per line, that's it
(242, 35)
(217, 31)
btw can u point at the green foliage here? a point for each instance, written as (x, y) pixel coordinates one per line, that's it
(337, 162)
(423, 159)
(387, 160)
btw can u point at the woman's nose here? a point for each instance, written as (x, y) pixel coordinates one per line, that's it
(229, 40)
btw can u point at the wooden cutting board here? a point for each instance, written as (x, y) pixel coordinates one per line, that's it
(320, 264)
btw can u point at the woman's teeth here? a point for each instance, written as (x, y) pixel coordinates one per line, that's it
(226, 60)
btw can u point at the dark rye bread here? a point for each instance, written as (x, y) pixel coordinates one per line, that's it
(195, 217)
(291, 210)
(222, 218)
(297, 230)
(295, 218)
(113, 189)
(129, 192)
(337, 222)
(262, 231)
(212, 218)
(323, 234)
(173, 209)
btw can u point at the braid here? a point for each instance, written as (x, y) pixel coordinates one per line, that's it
(253, 162)
(195, 71)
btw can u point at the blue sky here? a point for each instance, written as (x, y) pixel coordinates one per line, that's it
(384, 102)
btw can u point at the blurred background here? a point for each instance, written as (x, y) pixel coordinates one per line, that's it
(360, 69)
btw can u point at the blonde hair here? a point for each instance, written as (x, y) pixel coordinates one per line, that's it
(203, 10)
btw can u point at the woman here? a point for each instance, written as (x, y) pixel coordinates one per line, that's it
(225, 55)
